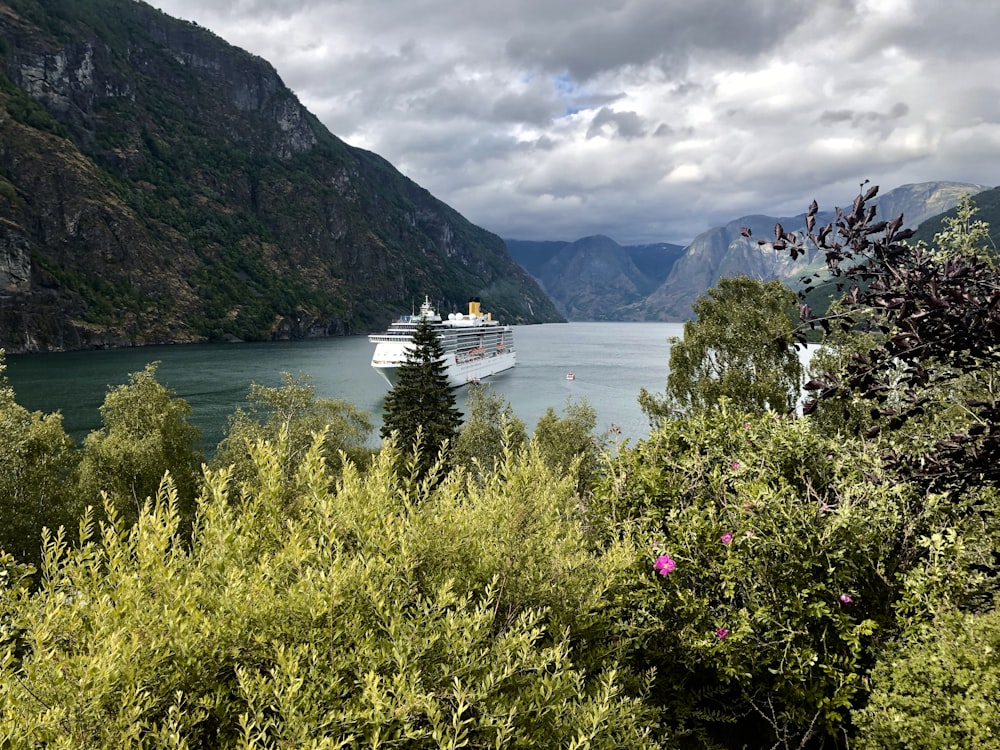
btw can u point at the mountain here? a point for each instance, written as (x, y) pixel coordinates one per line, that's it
(160, 185)
(594, 277)
(724, 251)
(597, 279)
(987, 209)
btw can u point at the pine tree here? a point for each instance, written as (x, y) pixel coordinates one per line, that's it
(422, 399)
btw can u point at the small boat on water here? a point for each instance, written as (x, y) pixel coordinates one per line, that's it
(570, 376)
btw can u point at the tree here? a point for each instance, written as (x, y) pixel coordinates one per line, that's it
(145, 434)
(420, 410)
(739, 346)
(838, 348)
(490, 430)
(937, 319)
(292, 415)
(37, 460)
(944, 412)
(964, 235)
(568, 445)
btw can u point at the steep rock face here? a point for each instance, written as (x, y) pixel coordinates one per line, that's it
(718, 253)
(724, 251)
(919, 201)
(15, 260)
(159, 185)
(596, 279)
(591, 278)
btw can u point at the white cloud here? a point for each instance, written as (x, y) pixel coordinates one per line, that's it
(645, 120)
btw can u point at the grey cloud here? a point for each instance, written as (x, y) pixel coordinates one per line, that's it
(955, 31)
(529, 108)
(832, 116)
(628, 125)
(665, 32)
(750, 107)
(860, 118)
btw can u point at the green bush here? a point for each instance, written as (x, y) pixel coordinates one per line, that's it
(777, 566)
(37, 466)
(490, 429)
(340, 623)
(940, 691)
(145, 432)
(288, 417)
(568, 443)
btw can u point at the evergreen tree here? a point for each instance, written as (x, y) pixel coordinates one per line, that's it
(422, 403)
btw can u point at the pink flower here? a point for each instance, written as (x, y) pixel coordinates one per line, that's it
(721, 633)
(664, 565)
(736, 464)
(845, 599)
(726, 538)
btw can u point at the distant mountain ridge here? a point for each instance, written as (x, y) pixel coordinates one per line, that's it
(597, 279)
(160, 185)
(594, 278)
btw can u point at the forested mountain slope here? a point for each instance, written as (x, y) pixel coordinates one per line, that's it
(160, 185)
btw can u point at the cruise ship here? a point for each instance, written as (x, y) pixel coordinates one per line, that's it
(475, 346)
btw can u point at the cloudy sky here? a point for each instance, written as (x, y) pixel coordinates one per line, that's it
(645, 120)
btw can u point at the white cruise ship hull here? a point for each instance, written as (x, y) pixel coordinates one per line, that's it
(387, 365)
(476, 346)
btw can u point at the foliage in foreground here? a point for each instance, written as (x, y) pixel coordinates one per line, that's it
(779, 567)
(739, 579)
(344, 619)
(939, 691)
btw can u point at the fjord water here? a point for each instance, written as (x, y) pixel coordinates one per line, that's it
(610, 362)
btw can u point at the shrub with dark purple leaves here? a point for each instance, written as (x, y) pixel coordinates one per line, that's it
(937, 320)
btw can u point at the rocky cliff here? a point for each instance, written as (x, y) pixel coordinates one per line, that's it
(160, 185)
